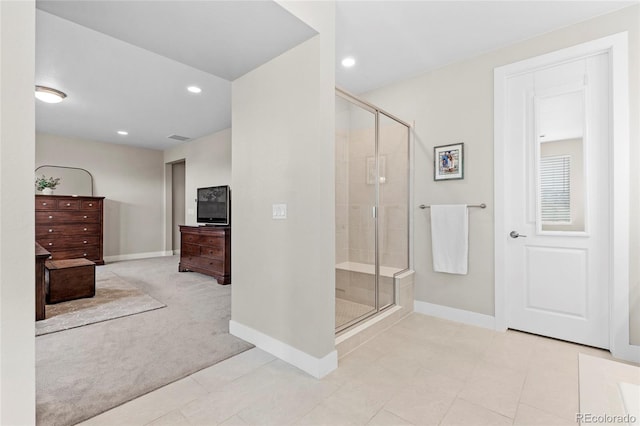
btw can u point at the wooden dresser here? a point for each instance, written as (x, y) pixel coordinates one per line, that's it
(70, 227)
(206, 249)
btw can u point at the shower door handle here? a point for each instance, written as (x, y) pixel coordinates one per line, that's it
(373, 211)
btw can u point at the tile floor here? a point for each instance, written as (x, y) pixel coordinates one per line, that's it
(421, 371)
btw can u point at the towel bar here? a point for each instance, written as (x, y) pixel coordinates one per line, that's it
(482, 206)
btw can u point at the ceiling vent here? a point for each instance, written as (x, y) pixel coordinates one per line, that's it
(178, 138)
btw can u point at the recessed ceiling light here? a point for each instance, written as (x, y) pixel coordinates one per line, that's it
(49, 95)
(194, 89)
(123, 132)
(348, 62)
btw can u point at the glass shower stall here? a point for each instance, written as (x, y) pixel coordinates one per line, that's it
(372, 208)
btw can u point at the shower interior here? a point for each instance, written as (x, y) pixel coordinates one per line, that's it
(372, 198)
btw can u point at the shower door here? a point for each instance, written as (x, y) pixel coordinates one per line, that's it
(356, 292)
(372, 195)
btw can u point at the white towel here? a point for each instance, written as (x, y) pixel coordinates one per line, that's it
(450, 238)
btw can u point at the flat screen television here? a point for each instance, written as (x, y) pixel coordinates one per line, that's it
(214, 205)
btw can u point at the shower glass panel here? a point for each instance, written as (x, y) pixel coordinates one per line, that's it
(393, 217)
(355, 224)
(372, 196)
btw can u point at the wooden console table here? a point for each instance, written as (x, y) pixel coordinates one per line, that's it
(206, 249)
(41, 256)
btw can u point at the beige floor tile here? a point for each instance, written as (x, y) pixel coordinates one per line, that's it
(552, 391)
(214, 377)
(385, 418)
(358, 402)
(495, 388)
(324, 415)
(234, 421)
(420, 406)
(464, 413)
(174, 418)
(530, 416)
(452, 362)
(510, 350)
(430, 381)
(151, 406)
(287, 402)
(218, 406)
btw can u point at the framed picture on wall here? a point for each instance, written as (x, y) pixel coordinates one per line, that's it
(448, 162)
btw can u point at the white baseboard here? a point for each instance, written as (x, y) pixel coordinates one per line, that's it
(316, 367)
(453, 314)
(134, 256)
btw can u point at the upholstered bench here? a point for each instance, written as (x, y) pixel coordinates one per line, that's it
(70, 279)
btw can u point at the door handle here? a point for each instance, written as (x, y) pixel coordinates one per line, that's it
(514, 234)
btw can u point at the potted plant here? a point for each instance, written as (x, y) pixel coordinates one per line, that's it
(47, 184)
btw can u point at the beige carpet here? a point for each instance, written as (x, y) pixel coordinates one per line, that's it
(115, 298)
(347, 310)
(609, 392)
(84, 371)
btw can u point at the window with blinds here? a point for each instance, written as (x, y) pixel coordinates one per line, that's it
(555, 189)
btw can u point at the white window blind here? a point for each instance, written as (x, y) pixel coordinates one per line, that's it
(555, 189)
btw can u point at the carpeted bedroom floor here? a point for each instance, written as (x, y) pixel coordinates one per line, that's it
(84, 371)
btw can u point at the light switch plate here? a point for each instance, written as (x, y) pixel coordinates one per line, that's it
(279, 211)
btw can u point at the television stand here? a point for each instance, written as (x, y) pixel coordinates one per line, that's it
(206, 249)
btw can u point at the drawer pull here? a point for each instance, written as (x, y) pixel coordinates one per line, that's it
(85, 217)
(84, 229)
(68, 204)
(50, 257)
(44, 204)
(90, 204)
(84, 242)
(50, 244)
(50, 230)
(85, 255)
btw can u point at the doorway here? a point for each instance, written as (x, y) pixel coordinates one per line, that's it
(561, 195)
(177, 203)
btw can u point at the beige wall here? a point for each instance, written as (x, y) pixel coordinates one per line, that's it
(17, 325)
(283, 152)
(455, 104)
(130, 179)
(207, 163)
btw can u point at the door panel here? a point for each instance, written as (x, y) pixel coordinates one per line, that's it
(557, 146)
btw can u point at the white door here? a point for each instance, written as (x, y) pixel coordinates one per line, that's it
(558, 204)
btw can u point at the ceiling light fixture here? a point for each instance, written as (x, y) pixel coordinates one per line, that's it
(348, 62)
(194, 89)
(123, 132)
(49, 95)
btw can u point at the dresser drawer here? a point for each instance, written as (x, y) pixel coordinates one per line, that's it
(190, 238)
(201, 262)
(90, 205)
(68, 230)
(190, 249)
(44, 203)
(91, 253)
(57, 216)
(60, 243)
(68, 204)
(216, 241)
(212, 252)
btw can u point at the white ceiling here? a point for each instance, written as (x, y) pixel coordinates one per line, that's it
(126, 64)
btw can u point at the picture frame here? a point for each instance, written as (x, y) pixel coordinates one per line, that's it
(371, 169)
(448, 162)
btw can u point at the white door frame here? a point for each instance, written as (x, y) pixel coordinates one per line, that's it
(617, 47)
